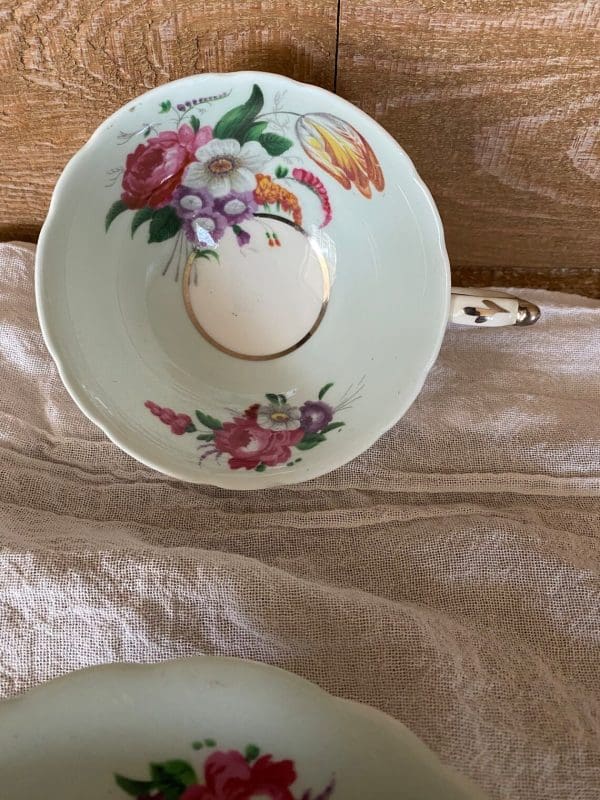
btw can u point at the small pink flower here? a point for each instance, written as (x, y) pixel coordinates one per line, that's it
(179, 423)
(153, 171)
(311, 181)
(154, 407)
(168, 416)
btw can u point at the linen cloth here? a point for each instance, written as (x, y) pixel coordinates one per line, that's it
(449, 576)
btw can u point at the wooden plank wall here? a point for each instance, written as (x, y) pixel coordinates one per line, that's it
(496, 101)
(68, 64)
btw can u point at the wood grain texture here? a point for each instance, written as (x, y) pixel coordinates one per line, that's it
(576, 280)
(496, 102)
(67, 64)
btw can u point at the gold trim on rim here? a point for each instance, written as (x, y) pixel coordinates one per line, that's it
(326, 293)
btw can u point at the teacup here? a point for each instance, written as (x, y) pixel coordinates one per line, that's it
(243, 280)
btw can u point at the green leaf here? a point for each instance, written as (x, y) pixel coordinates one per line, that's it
(282, 398)
(140, 216)
(236, 122)
(173, 775)
(311, 440)
(254, 131)
(205, 437)
(281, 171)
(134, 788)
(191, 428)
(165, 106)
(209, 422)
(273, 398)
(171, 792)
(164, 224)
(274, 144)
(113, 212)
(208, 253)
(332, 426)
(195, 123)
(252, 753)
(261, 468)
(324, 390)
(197, 745)
(210, 742)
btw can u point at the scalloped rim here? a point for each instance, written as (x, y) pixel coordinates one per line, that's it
(275, 674)
(81, 398)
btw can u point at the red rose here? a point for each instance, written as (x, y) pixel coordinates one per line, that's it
(252, 411)
(153, 171)
(250, 445)
(228, 776)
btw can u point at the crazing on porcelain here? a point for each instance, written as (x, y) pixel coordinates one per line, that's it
(227, 775)
(194, 182)
(265, 435)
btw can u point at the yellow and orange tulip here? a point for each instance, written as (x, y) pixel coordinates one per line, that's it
(341, 151)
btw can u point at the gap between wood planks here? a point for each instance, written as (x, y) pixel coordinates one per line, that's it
(337, 44)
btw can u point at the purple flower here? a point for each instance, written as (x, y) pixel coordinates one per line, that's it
(243, 237)
(205, 229)
(189, 203)
(202, 223)
(315, 415)
(236, 206)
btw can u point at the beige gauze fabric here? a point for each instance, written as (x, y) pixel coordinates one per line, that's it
(449, 576)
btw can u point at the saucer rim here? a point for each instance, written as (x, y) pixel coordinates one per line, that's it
(210, 669)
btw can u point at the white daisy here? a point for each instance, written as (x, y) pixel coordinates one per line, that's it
(279, 417)
(224, 165)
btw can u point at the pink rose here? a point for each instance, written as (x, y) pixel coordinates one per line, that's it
(228, 776)
(250, 445)
(153, 171)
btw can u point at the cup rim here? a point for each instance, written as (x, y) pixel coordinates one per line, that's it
(66, 370)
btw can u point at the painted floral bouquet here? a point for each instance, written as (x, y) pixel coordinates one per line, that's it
(194, 183)
(228, 775)
(265, 434)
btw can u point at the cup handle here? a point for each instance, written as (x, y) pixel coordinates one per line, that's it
(489, 308)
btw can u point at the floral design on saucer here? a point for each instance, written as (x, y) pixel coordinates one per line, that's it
(194, 182)
(227, 775)
(265, 435)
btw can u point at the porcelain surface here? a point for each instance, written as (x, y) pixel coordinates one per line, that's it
(209, 729)
(243, 280)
